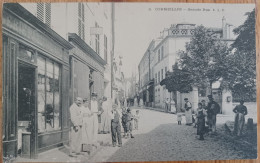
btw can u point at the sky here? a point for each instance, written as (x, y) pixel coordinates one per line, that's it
(137, 24)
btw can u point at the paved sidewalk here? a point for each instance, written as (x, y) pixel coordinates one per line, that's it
(61, 154)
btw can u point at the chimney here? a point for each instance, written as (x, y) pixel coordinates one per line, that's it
(224, 28)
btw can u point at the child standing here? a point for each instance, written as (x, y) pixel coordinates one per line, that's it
(124, 121)
(136, 119)
(201, 114)
(115, 127)
(179, 118)
(129, 123)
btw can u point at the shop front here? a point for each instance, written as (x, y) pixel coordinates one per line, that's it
(87, 69)
(35, 84)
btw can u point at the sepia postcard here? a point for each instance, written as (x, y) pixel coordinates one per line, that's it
(124, 82)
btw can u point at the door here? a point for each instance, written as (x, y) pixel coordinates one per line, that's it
(27, 116)
(217, 95)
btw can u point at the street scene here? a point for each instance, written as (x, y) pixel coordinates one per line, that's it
(124, 82)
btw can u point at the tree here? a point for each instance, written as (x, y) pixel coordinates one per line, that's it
(241, 64)
(177, 81)
(204, 57)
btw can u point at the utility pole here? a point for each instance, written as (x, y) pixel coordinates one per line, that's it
(149, 52)
(113, 46)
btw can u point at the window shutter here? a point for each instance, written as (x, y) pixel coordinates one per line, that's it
(48, 14)
(40, 10)
(79, 10)
(83, 13)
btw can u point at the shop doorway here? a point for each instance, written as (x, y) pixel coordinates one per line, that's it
(27, 130)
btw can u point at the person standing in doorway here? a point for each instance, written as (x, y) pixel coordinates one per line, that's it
(188, 114)
(94, 110)
(76, 127)
(115, 126)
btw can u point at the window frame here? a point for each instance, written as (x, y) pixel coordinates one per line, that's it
(54, 63)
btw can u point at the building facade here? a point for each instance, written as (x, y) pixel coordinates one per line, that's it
(118, 89)
(93, 23)
(36, 76)
(162, 54)
(52, 53)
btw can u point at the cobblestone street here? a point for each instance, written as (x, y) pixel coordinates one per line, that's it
(161, 139)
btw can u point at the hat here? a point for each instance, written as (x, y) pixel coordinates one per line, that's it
(94, 94)
(210, 96)
(186, 99)
(128, 110)
(85, 99)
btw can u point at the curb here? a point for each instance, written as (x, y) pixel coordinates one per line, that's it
(159, 110)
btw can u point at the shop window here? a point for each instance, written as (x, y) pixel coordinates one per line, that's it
(48, 95)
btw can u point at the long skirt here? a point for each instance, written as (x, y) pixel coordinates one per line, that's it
(95, 128)
(239, 123)
(75, 140)
(87, 130)
(105, 123)
(188, 116)
(200, 126)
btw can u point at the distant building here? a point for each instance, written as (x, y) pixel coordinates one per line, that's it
(162, 54)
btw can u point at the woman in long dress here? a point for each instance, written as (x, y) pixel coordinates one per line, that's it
(87, 125)
(106, 120)
(188, 114)
(96, 112)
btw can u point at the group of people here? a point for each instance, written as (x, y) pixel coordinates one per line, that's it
(169, 105)
(204, 115)
(85, 115)
(86, 124)
(128, 120)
